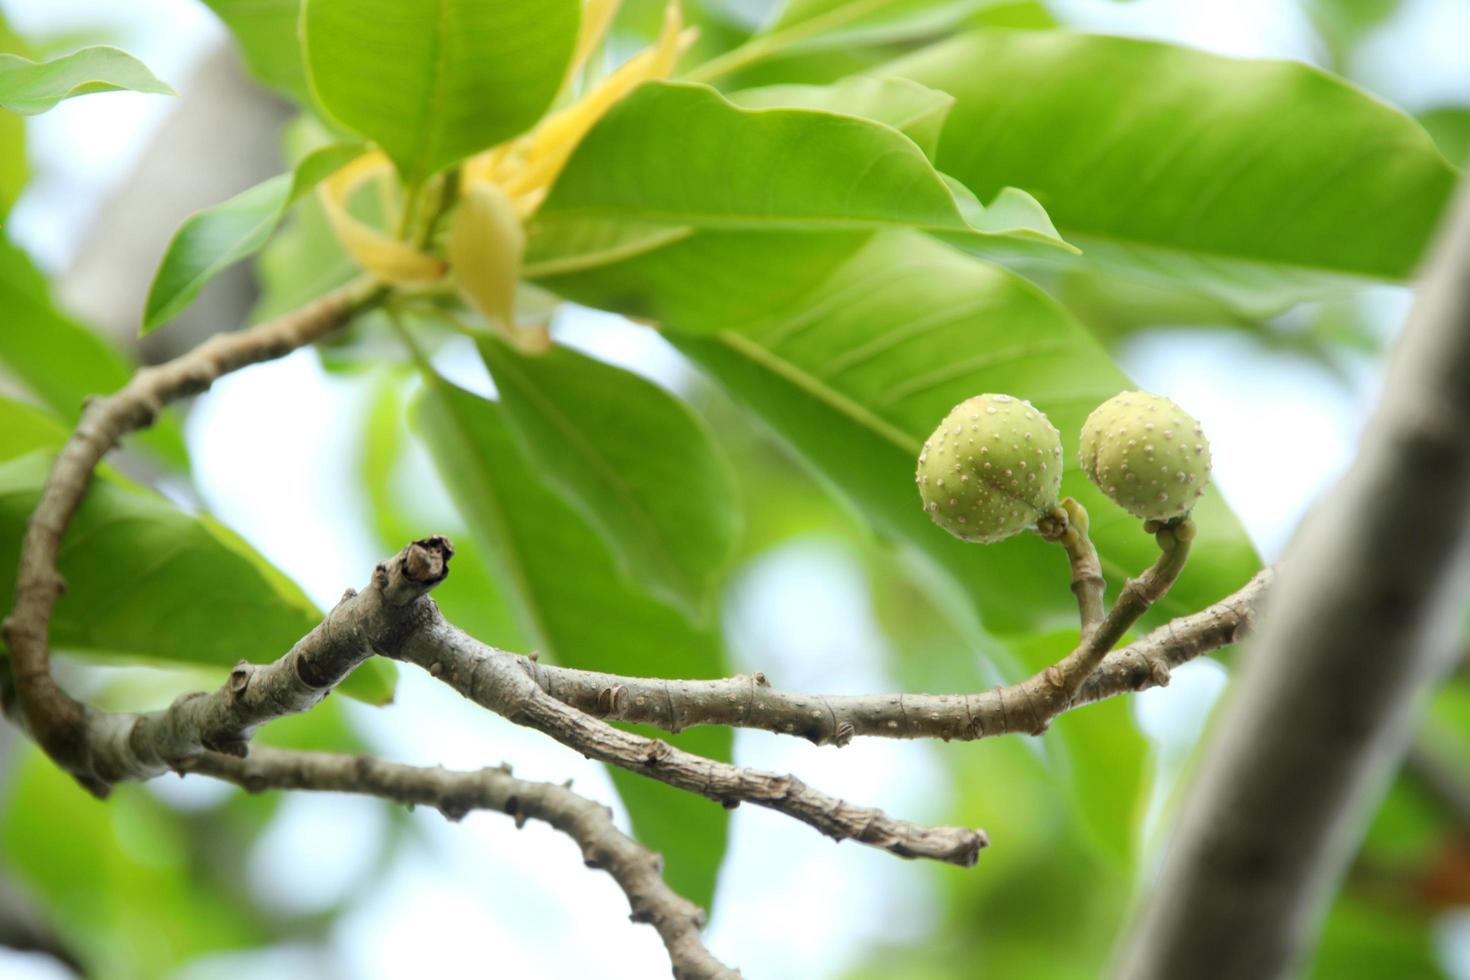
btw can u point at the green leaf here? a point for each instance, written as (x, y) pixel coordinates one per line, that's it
(146, 582)
(633, 459)
(30, 87)
(839, 23)
(433, 81)
(913, 109)
(62, 361)
(679, 154)
(1450, 127)
(853, 352)
(216, 238)
(580, 611)
(1262, 181)
(805, 26)
(13, 166)
(267, 32)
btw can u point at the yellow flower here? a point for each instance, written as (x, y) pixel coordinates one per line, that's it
(504, 185)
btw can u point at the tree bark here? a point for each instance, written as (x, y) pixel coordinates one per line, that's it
(1363, 621)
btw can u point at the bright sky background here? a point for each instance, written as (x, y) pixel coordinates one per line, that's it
(791, 904)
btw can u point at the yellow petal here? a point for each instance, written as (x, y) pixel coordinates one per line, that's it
(552, 143)
(597, 16)
(486, 246)
(384, 257)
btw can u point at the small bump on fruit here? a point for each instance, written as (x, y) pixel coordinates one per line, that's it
(1147, 454)
(991, 469)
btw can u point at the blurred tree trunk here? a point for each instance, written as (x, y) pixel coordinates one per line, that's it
(1365, 618)
(223, 137)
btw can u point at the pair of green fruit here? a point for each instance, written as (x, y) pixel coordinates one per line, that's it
(993, 467)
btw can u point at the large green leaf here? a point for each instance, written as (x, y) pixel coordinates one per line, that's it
(62, 361)
(433, 81)
(636, 462)
(683, 155)
(147, 582)
(269, 39)
(580, 611)
(30, 87)
(216, 238)
(1259, 180)
(913, 109)
(853, 353)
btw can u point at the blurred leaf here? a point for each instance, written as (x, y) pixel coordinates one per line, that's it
(1364, 940)
(819, 63)
(267, 32)
(13, 168)
(148, 583)
(852, 353)
(114, 875)
(1260, 180)
(300, 262)
(218, 237)
(433, 81)
(63, 362)
(29, 87)
(838, 23)
(1345, 24)
(1450, 127)
(633, 459)
(580, 611)
(912, 109)
(678, 154)
(821, 25)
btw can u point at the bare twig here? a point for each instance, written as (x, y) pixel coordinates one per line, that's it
(1147, 662)
(1365, 618)
(116, 747)
(55, 719)
(637, 871)
(749, 701)
(1067, 526)
(493, 679)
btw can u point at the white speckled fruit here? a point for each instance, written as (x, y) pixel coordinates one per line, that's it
(991, 469)
(1147, 454)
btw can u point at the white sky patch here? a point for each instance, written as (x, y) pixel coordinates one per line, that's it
(1437, 33)
(1240, 28)
(803, 614)
(273, 449)
(1281, 430)
(316, 851)
(82, 149)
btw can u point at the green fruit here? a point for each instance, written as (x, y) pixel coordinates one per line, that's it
(1147, 454)
(991, 469)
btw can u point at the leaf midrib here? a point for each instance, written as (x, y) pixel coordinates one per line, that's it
(609, 473)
